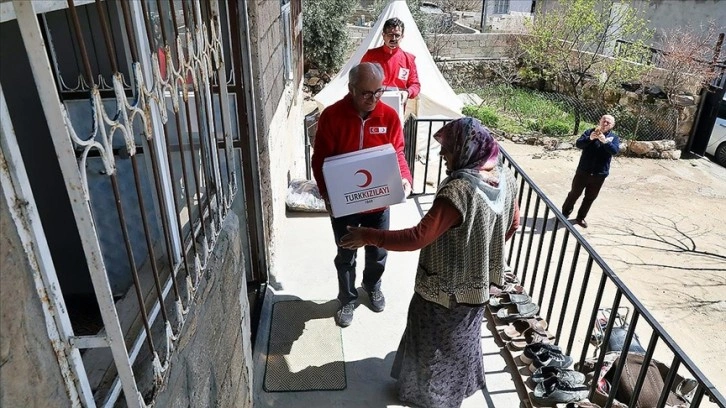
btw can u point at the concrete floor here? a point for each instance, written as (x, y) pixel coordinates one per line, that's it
(370, 343)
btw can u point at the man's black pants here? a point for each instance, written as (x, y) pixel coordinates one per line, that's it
(375, 260)
(591, 184)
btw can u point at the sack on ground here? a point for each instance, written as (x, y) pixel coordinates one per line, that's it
(650, 391)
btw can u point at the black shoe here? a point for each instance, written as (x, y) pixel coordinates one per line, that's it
(344, 315)
(550, 358)
(553, 391)
(532, 350)
(566, 214)
(581, 222)
(378, 301)
(570, 376)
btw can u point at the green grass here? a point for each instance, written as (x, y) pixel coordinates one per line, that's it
(519, 111)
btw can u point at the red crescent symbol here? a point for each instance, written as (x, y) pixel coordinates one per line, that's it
(366, 173)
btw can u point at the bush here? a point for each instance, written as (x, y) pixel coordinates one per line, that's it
(488, 116)
(556, 128)
(325, 36)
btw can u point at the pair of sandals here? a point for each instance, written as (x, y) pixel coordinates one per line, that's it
(510, 284)
(499, 290)
(523, 332)
(514, 306)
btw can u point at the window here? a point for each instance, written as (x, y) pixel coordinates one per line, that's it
(501, 6)
(285, 16)
(152, 140)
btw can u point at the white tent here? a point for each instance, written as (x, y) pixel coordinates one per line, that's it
(436, 99)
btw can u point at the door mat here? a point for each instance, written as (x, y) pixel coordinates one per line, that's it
(305, 350)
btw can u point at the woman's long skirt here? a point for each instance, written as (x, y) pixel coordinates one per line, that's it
(439, 360)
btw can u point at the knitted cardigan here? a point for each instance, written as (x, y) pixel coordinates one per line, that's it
(461, 263)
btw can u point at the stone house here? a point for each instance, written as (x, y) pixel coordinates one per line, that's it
(145, 153)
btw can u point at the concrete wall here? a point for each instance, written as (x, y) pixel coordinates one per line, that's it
(212, 364)
(453, 46)
(280, 118)
(664, 14)
(475, 46)
(29, 371)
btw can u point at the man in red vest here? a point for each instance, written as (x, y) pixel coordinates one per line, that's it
(399, 66)
(359, 121)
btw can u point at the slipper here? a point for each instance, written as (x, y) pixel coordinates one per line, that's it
(531, 336)
(519, 311)
(516, 329)
(686, 388)
(510, 277)
(496, 290)
(509, 299)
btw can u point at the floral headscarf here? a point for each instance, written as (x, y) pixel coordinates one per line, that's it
(473, 149)
(472, 145)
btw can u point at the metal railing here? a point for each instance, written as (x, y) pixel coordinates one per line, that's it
(572, 283)
(629, 50)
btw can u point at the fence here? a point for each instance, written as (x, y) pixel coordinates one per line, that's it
(630, 51)
(573, 285)
(642, 120)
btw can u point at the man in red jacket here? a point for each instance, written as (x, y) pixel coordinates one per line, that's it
(353, 123)
(399, 66)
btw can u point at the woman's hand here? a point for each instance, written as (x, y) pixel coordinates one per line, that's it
(353, 239)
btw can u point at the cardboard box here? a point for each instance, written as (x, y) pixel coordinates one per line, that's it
(363, 180)
(393, 99)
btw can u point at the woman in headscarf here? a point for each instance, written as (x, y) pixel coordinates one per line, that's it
(439, 359)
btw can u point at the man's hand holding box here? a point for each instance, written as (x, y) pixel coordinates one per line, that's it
(364, 180)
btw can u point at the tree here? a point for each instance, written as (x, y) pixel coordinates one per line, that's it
(569, 46)
(687, 57)
(325, 37)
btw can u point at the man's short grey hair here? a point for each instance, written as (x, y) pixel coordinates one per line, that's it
(364, 67)
(611, 118)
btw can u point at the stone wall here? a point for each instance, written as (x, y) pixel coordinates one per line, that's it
(452, 46)
(212, 363)
(473, 46)
(662, 149)
(29, 371)
(356, 35)
(267, 55)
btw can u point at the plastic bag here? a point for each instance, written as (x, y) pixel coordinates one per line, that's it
(303, 195)
(618, 333)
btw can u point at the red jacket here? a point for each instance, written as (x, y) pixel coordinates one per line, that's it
(342, 130)
(399, 68)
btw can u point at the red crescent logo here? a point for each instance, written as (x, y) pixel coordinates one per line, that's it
(366, 173)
